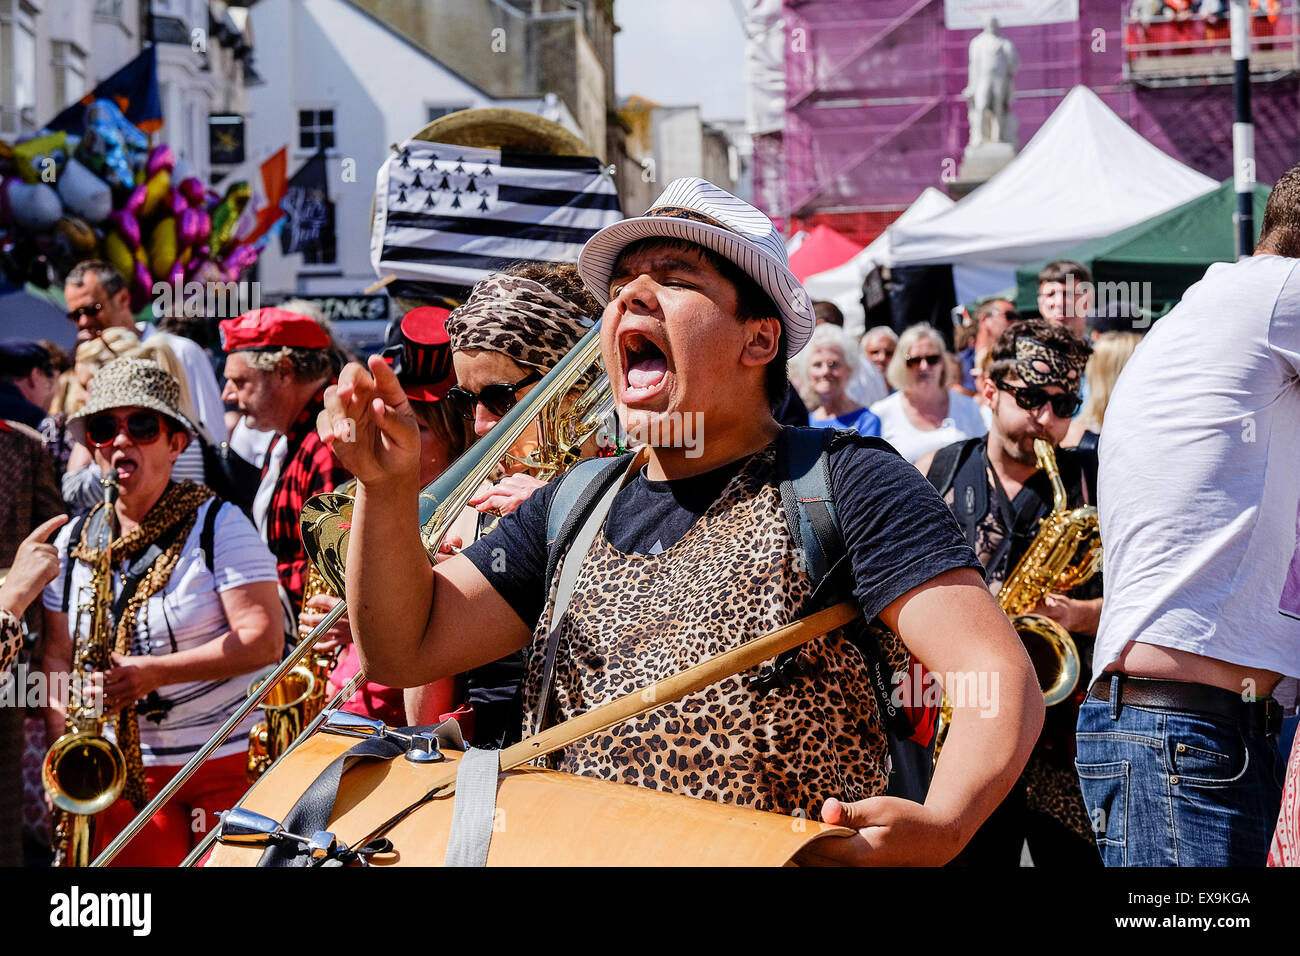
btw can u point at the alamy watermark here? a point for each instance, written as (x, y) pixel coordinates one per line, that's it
(918, 687)
(1112, 300)
(194, 299)
(668, 430)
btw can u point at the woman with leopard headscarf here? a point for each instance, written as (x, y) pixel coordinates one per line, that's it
(195, 613)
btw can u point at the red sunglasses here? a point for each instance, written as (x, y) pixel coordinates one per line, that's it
(143, 428)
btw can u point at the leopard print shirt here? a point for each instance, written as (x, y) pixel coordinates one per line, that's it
(734, 576)
(11, 639)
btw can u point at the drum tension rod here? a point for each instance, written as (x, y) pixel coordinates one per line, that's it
(420, 748)
(240, 827)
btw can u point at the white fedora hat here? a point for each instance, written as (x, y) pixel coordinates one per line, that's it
(722, 223)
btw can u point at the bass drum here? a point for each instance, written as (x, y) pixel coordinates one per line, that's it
(543, 818)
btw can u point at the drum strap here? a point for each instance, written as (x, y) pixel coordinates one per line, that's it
(312, 811)
(474, 811)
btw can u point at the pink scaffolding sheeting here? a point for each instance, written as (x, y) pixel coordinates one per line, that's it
(874, 112)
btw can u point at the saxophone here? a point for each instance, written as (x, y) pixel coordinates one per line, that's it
(84, 772)
(1065, 553)
(300, 694)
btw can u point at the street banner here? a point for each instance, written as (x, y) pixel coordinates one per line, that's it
(971, 14)
(445, 216)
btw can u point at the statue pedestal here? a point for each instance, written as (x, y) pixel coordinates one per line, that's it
(979, 165)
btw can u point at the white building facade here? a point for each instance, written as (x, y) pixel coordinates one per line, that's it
(344, 80)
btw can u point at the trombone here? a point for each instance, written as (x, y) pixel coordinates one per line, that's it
(326, 519)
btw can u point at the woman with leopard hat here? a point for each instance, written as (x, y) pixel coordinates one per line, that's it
(195, 611)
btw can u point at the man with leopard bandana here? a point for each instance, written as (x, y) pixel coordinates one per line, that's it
(998, 495)
(702, 313)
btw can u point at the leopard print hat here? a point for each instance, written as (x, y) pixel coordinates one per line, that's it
(519, 317)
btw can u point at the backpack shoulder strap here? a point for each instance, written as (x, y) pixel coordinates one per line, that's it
(804, 475)
(74, 536)
(577, 511)
(578, 490)
(945, 464)
(208, 536)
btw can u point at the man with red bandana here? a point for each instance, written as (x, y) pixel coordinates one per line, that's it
(277, 366)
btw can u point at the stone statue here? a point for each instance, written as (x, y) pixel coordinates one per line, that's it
(993, 63)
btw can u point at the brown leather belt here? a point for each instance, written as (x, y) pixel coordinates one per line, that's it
(1262, 716)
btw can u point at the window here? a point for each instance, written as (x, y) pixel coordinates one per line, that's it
(69, 74)
(109, 10)
(438, 111)
(315, 130)
(17, 68)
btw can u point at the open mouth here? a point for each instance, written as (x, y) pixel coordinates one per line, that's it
(645, 366)
(125, 467)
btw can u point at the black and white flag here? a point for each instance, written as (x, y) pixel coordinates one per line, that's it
(445, 216)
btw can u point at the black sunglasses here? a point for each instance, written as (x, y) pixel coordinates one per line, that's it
(916, 360)
(142, 427)
(94, 308)
(1033, 397)
(497, 399)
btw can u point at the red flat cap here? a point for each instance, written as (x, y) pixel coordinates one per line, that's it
(271, 328)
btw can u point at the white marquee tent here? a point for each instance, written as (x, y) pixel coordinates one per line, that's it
(1086, 173)
(843, 284)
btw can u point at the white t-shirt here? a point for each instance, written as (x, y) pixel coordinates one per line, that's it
(188, 611)
(964, 421)
(1199, 481)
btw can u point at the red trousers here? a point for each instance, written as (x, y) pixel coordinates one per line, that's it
(178, 827)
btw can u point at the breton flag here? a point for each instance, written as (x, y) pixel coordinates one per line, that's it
(445, 216)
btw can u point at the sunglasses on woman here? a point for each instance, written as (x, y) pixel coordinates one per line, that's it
(143, 428)
(916, 360)
(497, 399)
(1033, 397)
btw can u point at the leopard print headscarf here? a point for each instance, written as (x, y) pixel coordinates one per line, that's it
(1038, 364)
(520, 318)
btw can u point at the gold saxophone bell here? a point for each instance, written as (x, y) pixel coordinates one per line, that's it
(284, 720)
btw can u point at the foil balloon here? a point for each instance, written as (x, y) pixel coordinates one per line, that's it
(118, 253)
(193, 191)
(162, 248)
(33, 206)
(194, 225)
(226, 217)
(240, 259)
(40, 160)
(80, 237)
(160, 158)
(84, 193)
(127, 226)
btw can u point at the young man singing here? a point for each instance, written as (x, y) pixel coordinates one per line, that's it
(695, 557)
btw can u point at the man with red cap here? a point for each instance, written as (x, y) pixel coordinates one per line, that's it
(278, 364)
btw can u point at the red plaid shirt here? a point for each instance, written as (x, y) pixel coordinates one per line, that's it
(310, 468)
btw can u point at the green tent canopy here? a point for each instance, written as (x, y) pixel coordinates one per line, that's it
(1171, 251)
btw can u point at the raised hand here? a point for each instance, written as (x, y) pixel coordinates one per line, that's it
(369, 424)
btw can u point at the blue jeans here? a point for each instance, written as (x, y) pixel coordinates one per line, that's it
(1172, 788)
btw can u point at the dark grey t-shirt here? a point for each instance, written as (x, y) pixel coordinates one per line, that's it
(898, 531)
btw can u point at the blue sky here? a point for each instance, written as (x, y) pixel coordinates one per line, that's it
(682, 53)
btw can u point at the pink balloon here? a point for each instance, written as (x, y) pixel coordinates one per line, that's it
(193, 191)
(176, 202)
(160, 157)
(192, 228)
(127, 225)
(240, 259)
(136, 199)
